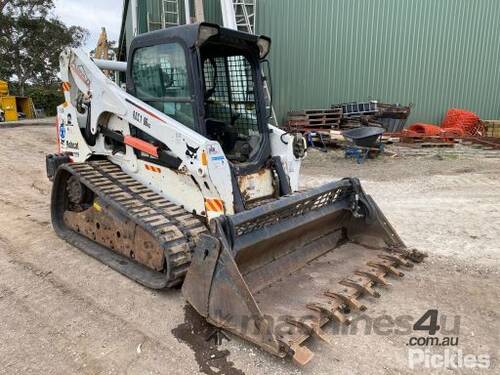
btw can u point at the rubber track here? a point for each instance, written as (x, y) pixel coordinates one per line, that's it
(172, 225)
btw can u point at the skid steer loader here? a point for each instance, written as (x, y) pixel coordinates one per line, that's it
(178, 179)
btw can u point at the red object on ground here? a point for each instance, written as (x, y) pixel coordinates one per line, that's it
(457, 123)
(425, 129)
(468, 122)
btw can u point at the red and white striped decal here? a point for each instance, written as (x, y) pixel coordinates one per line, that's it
(214, 204)
(66, 86)
(152, 168)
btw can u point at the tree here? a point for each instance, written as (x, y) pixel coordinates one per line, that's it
(10, 8)
(39, 42)
(10, 11)
(46, 97)
(31, 41)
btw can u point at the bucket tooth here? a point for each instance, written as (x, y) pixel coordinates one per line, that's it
(397, 260)
(362, 288)
(333, 314)
(386, 267)
(310, 329)
(415, 256)
(352, 302)
(341, 318)
(379, 279)
(302, 355)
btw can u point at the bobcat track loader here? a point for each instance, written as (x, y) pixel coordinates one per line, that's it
(179, 179)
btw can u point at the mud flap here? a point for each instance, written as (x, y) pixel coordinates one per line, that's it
(276, 274)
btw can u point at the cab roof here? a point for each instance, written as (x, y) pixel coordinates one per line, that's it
(195, 35)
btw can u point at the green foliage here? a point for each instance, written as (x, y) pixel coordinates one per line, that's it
(30, 43)
(25, 7)
(46, 97)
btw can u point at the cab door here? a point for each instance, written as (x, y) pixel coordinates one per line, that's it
(160, 78)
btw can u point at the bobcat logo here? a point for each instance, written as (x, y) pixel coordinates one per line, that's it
(191, 152)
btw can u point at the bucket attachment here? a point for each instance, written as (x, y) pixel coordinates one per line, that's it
(277, 273)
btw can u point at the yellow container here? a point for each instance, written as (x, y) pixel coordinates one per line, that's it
(8, 104)
(25, 105)
(13, 105)
(4, 88)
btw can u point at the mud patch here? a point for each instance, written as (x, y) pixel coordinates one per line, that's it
(194, 332)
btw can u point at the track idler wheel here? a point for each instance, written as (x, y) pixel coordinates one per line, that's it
(80, 197)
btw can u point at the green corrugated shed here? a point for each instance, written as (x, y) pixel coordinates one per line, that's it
(149, 18)
(151, 13)
(435, 54)
(212, 11)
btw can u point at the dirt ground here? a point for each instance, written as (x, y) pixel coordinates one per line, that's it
(63, 312)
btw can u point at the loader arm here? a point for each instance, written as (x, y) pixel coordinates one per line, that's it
(115, 111)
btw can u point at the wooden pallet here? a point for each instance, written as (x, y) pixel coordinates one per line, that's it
(314, 119)
(487, 142)
(492, 128)
(436, 144)
(427, 144)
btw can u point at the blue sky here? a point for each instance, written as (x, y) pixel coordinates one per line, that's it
(92, 14)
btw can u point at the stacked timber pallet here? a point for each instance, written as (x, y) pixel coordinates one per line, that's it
(314, 120)
(492, 128)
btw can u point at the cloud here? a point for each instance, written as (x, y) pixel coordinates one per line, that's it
(92, 15)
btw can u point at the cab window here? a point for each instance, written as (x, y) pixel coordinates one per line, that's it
(230, 104)
(160, 79)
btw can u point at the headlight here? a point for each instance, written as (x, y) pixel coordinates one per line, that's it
(299, 146)
(264, 44)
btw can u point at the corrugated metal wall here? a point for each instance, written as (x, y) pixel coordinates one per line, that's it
(435, 54)
(153, 10)
(212, 11)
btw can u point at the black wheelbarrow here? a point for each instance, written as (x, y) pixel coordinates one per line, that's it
(363, 140)
(365, 136)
